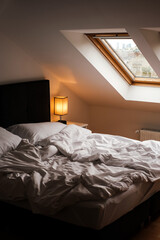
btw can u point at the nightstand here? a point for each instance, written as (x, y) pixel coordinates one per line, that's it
(84, 125)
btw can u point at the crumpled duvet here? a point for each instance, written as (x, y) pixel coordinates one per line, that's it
(76, 165)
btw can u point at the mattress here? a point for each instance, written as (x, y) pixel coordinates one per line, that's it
(76, 176)
(97, 215)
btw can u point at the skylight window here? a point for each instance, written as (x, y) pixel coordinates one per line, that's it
(125, 56)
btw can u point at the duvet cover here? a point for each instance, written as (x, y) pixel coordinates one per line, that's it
(75, 165)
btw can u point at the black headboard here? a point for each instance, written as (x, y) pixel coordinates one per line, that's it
(25, 102)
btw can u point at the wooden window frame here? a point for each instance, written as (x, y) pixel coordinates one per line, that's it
(122, 69)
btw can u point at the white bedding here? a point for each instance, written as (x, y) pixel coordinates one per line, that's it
(98, 214)
(93, 168)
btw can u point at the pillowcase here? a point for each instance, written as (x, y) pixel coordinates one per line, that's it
(35, 132)
(8, 141)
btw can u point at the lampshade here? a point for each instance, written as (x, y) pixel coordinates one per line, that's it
(60, 105)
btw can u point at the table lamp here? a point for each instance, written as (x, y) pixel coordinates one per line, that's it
(61, 107)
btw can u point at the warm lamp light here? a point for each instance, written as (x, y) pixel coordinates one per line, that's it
(61, 107)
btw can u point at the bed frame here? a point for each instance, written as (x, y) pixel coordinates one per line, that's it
(30, 102)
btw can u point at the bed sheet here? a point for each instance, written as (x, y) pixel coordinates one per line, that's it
(92, 214)
(97, 215)
(101, 176)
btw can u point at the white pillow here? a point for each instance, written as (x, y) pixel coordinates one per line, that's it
(8, 141)
(35, 132)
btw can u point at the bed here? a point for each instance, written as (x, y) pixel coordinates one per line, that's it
(53, 176)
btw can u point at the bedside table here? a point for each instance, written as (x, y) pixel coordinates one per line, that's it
(84, 125)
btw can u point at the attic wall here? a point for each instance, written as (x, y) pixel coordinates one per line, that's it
(17, 66)
(33, 47)
(118, 121)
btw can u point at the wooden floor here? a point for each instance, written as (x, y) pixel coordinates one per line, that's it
(149, 232)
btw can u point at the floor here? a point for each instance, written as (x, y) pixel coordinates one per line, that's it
(149, 232)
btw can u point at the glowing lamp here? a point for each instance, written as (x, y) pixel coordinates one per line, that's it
(61, 107)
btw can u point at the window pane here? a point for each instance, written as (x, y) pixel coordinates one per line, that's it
(131, 56)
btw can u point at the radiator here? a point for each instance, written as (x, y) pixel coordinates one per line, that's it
(146, 134)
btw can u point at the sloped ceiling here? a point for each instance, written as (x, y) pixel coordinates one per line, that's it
(34, 27)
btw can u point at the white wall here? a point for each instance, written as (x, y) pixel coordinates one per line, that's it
(17, 66)
(32, 45)
(122, 122)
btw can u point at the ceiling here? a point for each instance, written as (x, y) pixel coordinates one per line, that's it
(32, 42)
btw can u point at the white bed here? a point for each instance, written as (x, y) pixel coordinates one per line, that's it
(72, 174)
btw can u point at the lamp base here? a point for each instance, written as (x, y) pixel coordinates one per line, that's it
(62, 121)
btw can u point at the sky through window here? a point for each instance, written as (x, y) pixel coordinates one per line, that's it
(131, 56)
(126, 57)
